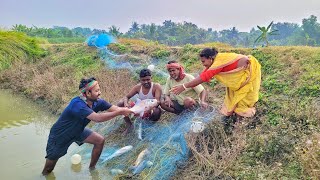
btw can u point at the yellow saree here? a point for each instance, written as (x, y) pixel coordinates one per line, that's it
(242, 84)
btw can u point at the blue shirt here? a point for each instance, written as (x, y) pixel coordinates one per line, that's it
(73, 119)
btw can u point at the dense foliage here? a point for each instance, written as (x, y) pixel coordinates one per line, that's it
(172, 33)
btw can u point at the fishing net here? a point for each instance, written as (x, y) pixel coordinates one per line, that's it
(100, 40)
(122, 61)
(165, 141)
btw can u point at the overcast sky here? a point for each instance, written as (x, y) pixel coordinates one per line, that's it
(101, 14)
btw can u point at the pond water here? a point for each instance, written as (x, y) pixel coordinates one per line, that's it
(24, 129)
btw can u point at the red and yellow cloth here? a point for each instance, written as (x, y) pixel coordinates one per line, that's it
(242, 84)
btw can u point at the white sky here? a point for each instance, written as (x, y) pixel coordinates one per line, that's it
(101, 14)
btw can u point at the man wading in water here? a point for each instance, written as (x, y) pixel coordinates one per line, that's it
(71, 125)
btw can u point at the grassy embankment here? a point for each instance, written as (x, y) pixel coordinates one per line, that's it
(281, 141)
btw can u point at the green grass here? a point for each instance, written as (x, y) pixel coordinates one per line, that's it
(66, 40)
(81, 59)
(16, 46)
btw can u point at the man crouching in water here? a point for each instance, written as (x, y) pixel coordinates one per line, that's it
(71, 125)
(146, 89)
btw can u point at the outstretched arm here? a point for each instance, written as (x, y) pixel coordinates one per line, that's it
(111, 113)
(178, 89)
(195, 82)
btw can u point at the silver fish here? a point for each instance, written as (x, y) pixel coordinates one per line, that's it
(141, 155)
(118, 153)
(144, 164)
(143, 105)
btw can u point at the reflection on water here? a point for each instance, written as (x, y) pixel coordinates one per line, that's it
(24, 129)
(76, 167)
(15, 111)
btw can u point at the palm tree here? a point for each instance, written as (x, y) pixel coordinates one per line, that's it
(134, 27)
(114, 31)
(152, 31)
(265, 33)
(21, 28)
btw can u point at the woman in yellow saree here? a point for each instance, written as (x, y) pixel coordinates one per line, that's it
(239, 73)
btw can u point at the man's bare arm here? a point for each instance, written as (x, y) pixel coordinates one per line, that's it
(203, 96)
(105, 116)
(158, 92)
(132, 92)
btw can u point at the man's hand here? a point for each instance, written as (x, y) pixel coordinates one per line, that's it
(168, 102)
(177, 89)
(125, 111)
(204, 104)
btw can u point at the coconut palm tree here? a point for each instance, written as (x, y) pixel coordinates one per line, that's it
(265, 33)
(21, 28)
(115, 31)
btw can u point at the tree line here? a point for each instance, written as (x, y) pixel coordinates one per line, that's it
(175, 34)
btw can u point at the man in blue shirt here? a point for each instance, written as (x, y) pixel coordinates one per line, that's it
(71, 125)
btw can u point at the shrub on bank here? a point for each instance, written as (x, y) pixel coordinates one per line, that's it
(15, 46)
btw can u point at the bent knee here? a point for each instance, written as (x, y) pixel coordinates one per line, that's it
(98, 139)
(156, 114)
(101, 141)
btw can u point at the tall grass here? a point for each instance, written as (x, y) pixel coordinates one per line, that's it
(66, 40)
(53, 80)
(15, 46)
